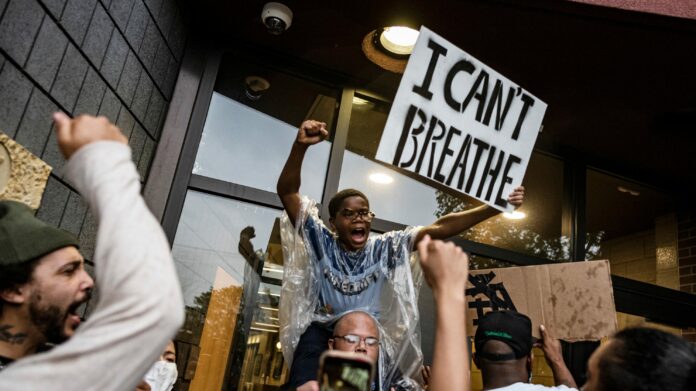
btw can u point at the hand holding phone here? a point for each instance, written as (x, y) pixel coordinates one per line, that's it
(345, 371)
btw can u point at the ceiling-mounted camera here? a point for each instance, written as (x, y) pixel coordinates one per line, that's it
(277, 17)
(255, 87)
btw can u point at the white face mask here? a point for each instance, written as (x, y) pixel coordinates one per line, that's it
(161, 376)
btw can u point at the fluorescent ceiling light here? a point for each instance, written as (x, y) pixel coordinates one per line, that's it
(399, 39)
(381, 178)
(360, 101)
(516, 215)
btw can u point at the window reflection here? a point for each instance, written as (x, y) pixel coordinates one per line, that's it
(245, 146)
(478, 262)
(634, 227)
(221, 249)
(402, 197)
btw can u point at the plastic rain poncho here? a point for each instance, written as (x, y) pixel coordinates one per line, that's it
(386, 288)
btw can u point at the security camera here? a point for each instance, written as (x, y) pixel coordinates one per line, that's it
(255, 87)
(277, 17)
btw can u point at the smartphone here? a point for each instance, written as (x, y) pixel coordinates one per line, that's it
(345, 371)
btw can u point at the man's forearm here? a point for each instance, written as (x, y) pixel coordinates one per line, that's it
(140, 305)
(451, 361)
(561, 374)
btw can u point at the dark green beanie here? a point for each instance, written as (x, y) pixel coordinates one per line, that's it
(23, 237)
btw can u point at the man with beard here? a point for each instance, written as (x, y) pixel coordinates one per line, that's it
(43, 278)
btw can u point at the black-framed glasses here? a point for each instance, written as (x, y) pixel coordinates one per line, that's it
(352, 339)
(364, 214)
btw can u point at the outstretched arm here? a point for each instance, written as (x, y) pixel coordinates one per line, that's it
(311, 132)
(446, 268)
(458, 222)
(554, 358)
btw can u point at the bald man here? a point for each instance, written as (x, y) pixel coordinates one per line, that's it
(354, 332)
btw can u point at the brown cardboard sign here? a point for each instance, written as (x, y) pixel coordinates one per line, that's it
(574, 301)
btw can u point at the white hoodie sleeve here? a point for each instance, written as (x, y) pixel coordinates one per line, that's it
(140, 306)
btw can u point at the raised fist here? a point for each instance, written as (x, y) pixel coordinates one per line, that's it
(73, 134)
(312, 132)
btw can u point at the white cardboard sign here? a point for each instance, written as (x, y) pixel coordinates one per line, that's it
(459, 122)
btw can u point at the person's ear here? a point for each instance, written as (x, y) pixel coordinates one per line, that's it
(331, 223)
(14, 295)
(331, 344)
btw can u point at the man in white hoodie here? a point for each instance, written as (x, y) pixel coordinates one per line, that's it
(42, 277)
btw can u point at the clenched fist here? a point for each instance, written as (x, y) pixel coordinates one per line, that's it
(445, 267)
(73, 134)
(312, 132)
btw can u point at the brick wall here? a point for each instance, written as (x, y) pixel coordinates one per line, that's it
(117, 58)
(686, 226)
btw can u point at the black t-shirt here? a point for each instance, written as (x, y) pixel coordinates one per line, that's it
(4, 362)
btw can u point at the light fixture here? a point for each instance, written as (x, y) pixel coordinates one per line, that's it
(360, 101)
(389, 47)
(398, 40)
(255, 87)
(279, 346)
(516, 215)
(622, 189)
(381, 178)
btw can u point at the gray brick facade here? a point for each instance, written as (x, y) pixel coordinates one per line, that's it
(115, 58)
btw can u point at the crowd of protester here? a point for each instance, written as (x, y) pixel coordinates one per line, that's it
(126, 342)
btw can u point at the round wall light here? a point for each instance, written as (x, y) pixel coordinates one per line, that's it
(516, 215)
(381, 178)
(398, 40)
(389, 47)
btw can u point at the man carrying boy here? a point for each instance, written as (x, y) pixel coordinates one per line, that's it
(348, 270)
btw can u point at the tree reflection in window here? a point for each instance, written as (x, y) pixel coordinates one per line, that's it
(511, 236)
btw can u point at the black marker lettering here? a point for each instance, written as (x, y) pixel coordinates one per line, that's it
(434, 121)
(410, 116)
(528, 102)
(446, 152)
(424, 89)
(480, 147)
(495, 103)
(461, 163)
(439, 137)
(481, 81)
(512, 159)
(494, 172)
(461, 65)
(484, 175)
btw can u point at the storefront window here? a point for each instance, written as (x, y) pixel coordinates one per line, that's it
(402, 197)
(247, 138)
(263, 359)
(221, 248)
(634, 227)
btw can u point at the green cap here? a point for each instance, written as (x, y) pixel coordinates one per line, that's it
(23, 237)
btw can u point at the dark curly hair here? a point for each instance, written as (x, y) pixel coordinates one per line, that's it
(642, 359)
(337, 200)
(12, 276)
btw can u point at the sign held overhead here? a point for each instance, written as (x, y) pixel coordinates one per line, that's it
(459, 122)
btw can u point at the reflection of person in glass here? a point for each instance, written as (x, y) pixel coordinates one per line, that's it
(351, 266)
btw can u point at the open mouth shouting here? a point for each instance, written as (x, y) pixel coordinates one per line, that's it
(358, 237)
(73, 320)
